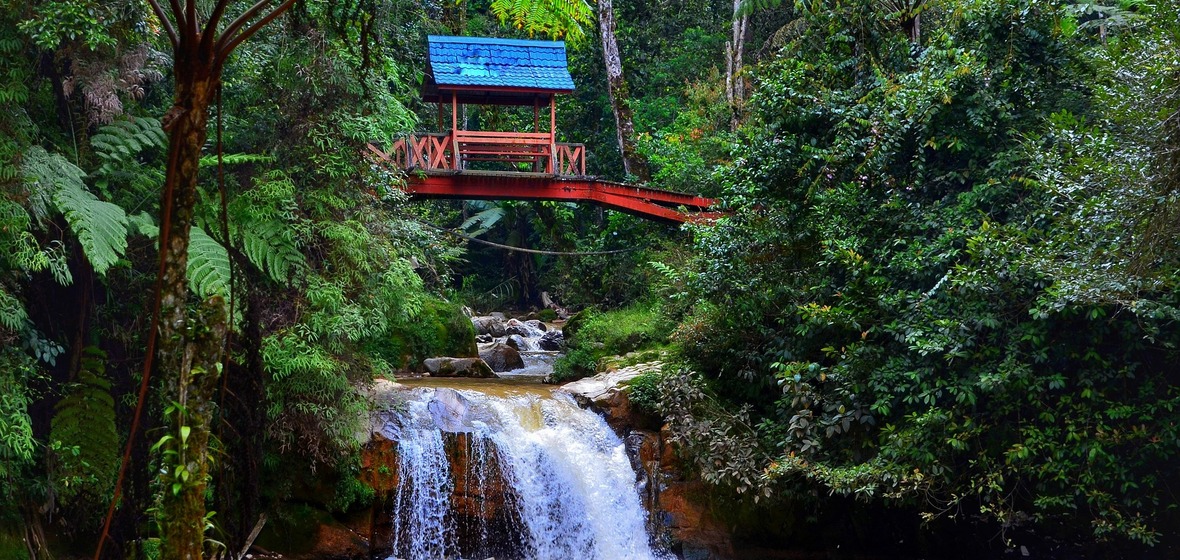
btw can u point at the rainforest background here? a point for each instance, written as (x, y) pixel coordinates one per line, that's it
(943, 300)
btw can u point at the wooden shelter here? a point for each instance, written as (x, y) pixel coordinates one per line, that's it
(487, 71)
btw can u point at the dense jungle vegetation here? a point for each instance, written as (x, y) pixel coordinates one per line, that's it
(943, 295)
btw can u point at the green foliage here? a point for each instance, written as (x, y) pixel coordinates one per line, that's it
(555, 18)
(933, 290)
(597, 334)
(83, 429)
(56, 22)
(101, 227)
(644, 392)
(208, 265)
(120, 141)
(16, 429)
(439, 329)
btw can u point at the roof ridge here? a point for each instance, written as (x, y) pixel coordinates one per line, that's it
(494, 41)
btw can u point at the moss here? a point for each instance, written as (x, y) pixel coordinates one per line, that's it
(547, 315)
(593, 335)
(441, 329)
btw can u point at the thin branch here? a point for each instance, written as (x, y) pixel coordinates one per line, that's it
(278, 11)
(210, 33)
(167, 23)
(190, 14)
(181, 23)
(238, 23)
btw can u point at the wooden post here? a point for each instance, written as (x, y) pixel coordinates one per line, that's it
(454, 131)
(552, 131)
(537, 128)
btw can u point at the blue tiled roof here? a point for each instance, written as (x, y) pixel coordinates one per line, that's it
(482, 61)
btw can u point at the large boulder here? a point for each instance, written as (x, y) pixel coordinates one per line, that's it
(552, 341)
(488, 325)
(457, 367)
(607, 392)
(501, 357)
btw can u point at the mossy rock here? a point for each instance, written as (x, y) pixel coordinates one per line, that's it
(575, 323)
(441, 329)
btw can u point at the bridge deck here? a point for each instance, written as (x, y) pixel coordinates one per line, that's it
(432, 174)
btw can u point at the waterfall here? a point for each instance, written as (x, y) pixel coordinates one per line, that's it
(519, 474)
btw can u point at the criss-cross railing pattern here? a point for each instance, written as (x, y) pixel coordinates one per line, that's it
(431, 152)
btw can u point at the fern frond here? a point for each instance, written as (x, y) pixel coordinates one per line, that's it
(101, 227)
(122, 139)
(271, 246)
(554, 18)
(483, 221)
(235, 159)
(208, 265)
(85, 423)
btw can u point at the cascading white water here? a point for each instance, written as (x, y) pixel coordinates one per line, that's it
(540, 478)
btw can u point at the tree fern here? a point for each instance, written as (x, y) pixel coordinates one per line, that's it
(84, 427)
(101, 227)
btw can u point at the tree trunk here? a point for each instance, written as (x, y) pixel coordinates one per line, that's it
(189, 350)
(735, 86)
(633, 162)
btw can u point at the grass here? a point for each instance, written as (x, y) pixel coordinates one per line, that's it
(598, 334)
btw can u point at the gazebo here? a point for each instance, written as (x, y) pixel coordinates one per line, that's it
(487, 71)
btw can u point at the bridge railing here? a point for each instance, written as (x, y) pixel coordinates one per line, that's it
(437, 151)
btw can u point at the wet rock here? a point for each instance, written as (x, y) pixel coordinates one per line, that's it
(537, 324)
(517, 341)
(484, 339)
(498, 315)
(450, 410)
(501, 357)
(552, 341)
(607, 392)
(488, 325)
(516, 327)
(457, 367)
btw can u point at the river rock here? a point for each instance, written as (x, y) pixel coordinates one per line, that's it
(484, 339)
(552, 341)
(501, 357)
(516, 327)
(537, 324)
(450, 410)
(488, 325)
(607, 392)
(457, 367)
(518, 342)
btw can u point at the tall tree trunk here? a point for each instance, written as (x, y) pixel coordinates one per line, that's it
(735, 85)
(189, 350)
(633, 162)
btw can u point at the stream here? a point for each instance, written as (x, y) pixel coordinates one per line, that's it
(509, 469)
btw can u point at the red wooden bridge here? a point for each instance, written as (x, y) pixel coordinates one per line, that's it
(492, 165)
(435, 172)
